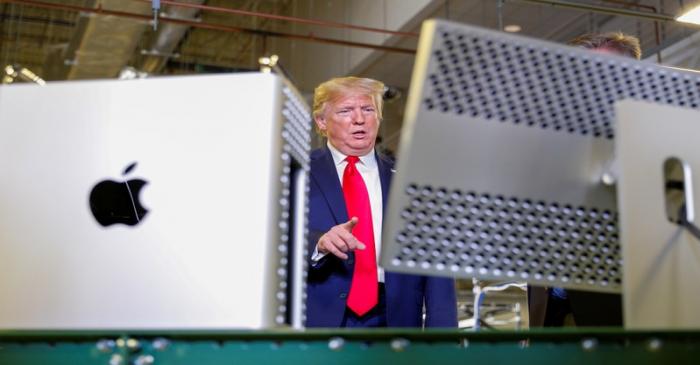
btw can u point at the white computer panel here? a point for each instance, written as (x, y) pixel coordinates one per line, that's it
(205, 255)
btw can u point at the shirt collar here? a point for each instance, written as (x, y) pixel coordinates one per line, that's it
(368, 160)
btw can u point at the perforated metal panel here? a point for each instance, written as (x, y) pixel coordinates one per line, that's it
(480, 234)
(297, 126)
(296, 148)
(517, 80)
(503, 147)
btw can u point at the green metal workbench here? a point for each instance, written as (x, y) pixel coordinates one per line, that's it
(361, 347)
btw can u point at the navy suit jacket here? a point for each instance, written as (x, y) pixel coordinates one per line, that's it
(328, 281)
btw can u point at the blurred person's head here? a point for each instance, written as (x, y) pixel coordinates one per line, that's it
(616, 43)
(347, 111)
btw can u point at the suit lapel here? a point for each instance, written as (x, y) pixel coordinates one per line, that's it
(385, 179)
(323, 171)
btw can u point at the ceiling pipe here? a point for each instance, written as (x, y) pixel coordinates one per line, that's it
(608, 10)
(99, 10)
(323, 23)
(37, 19)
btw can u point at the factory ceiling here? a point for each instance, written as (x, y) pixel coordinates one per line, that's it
(95, 39)
(87, 39)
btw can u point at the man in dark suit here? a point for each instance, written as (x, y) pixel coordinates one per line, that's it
(348, 192)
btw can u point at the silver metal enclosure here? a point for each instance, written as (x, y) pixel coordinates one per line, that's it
(662, 258)
(221, 154)
(504, 144)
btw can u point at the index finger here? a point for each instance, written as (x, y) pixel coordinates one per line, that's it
(350, 224)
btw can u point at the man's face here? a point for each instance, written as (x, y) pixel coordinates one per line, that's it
(351, 124)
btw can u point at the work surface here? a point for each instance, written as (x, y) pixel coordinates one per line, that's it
(386, 346)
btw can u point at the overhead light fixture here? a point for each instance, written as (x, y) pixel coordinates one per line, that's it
(13, 73)
(157, 53)
(130, 73)
(267, 64)
(690, 16)
(512, 28)
(31, 76)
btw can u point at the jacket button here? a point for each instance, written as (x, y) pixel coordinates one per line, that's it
(350, 261)
(343, 295)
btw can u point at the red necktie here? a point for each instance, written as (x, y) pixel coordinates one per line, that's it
(363, 290)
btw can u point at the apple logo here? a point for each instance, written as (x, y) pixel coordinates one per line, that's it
(114, 202)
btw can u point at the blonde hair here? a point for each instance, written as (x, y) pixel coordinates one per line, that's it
(624, 44)
(336, 88)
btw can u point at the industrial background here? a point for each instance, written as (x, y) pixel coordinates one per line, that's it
(313, 40)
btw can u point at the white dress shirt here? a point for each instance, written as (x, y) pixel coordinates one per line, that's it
(369, 170)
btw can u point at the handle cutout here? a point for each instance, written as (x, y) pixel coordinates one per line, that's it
(678, 191)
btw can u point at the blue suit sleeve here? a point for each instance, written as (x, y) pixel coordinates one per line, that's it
(313, 239)
(440, 302)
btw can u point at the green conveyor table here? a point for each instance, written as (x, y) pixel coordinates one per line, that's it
(357, 347)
